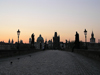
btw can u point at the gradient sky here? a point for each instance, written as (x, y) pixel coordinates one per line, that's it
(48, 16)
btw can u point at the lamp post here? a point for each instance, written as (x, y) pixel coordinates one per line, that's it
(18, 33)
(85, 33)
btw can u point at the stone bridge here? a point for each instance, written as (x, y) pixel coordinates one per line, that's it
(49, 62)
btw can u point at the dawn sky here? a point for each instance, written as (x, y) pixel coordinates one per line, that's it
(48, 16)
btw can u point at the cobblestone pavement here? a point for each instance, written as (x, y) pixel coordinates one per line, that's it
(50, 62)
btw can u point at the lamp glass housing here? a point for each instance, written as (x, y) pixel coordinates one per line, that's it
(18, 32)
(85, 32)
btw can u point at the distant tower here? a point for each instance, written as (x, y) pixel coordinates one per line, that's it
(12, 41)
(9, 41)
(56, 41)
(92, 39)
(55, 34)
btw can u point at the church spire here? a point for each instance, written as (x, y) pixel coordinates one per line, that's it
(92, 39)
(55, 34)
(9, 41)
(92, 35)
(12, 41)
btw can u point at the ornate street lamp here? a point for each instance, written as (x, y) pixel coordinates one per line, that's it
(18, 33)
(85, 33)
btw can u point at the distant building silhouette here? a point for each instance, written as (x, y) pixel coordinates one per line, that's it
(12, 41)
(5, 46)
(69, 43)
(92, 39)
(45, 44)
(56, 41)
(9, 41)
(30, 40)
(66, 41)
(98, 40)
(40, 42)
(21, 41)
(66, 45)
(50, 44)
(62, 45)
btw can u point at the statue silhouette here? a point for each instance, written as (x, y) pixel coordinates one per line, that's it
(32, 42)
(77, 43)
